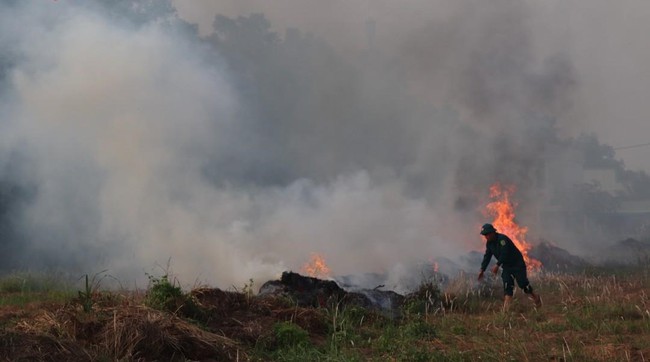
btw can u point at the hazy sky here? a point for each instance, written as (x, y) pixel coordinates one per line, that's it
(605, 40)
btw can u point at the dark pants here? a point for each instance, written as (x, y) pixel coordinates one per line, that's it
(509, 275)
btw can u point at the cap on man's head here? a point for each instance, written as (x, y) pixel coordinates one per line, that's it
(488, 228)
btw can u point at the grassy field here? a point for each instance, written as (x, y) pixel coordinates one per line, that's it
(602, 314)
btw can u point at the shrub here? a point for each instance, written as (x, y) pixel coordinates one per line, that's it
(163, 294)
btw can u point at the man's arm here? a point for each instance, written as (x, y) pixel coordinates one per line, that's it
(486, 261)
(486, 258)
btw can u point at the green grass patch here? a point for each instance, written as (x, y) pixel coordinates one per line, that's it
(22, 299)
(22, 288)
(25, 282)
(290, 335)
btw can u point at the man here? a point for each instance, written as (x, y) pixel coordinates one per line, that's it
(509, 257)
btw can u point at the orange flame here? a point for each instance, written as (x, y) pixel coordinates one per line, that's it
(316, 267)
(434, 265)
(503, 210)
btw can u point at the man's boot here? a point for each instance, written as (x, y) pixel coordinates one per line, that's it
(506, 302)
(536, 299)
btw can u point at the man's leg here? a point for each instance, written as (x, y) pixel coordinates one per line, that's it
(524, 284)
(508, 288)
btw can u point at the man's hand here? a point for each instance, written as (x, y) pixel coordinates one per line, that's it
(480, 275)
(495, 269)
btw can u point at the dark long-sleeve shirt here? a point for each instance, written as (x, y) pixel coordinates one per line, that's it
(505, 251)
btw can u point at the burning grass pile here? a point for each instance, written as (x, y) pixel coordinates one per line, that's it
(306, 291)
(313, 292)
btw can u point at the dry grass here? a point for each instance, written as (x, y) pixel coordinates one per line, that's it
(139, 331)
(595, 316)
(126, 331)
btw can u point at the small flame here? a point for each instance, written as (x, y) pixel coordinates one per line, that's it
(316, 267)
(434, 264)
(503, 210)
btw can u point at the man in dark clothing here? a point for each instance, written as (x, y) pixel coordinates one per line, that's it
(509, 257)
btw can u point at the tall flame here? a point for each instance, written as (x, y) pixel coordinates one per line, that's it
(503, 211)
(316, 267)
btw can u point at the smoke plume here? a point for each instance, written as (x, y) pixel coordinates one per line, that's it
(236, 148)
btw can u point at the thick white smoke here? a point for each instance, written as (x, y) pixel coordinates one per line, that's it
(118, 122)
(239, 153)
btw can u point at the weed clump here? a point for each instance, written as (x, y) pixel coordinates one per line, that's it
(424, 300)
(168, 296)
(162, 294)
(288, 334)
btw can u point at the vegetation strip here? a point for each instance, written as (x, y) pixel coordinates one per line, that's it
(600, 315)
